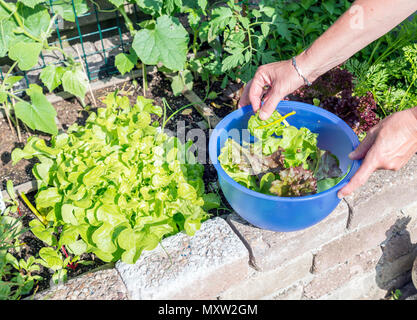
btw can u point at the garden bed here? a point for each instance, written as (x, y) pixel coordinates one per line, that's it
(70, 111)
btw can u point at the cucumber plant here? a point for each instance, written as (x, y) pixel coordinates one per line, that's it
(25, 27)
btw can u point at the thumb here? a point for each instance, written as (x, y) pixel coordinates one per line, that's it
(359, 178)
(270, 104)
(361, 151)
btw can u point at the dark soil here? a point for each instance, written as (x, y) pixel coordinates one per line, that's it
(71, 111)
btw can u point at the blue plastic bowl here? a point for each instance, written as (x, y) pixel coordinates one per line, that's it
(286, 213)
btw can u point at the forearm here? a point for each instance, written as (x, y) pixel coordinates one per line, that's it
(364, 22)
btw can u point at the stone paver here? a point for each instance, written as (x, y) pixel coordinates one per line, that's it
(198, 267)
(262, 284)
(99, 285)
(357, 241)
(384, 192)
(272, 249)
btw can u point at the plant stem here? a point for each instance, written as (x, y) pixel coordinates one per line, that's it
(400, 107)
(33, 209)
(128, 22)
(195, 42)
(280, 119)
(6, 111)
(173, 114)
(19, 135)
(66, 55)
(144, 79)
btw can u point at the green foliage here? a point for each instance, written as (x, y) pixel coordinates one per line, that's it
(39, 114)
(16, 275)
(166, 42)
(392, 82)
(116, 186)
(125, 62)
(25, 27)
(238, 39)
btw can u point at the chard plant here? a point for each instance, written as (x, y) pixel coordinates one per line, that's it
(116, 186)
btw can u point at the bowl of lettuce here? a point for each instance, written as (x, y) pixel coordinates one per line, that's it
(283, 174)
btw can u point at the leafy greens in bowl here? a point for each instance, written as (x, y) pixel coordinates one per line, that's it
(284, 160)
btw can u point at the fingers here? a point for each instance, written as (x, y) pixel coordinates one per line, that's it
(244, 99)
(361, 151)
(270, 104)
(256, 91)
(361, 176)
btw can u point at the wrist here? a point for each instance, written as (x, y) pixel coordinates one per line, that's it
(305, 63)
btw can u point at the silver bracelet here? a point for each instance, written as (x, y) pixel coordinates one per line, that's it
(300, 73)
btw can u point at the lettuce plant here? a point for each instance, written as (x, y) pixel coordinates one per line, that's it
(116, 186)
(284, 161)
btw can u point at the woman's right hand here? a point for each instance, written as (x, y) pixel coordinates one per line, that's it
(271, 83)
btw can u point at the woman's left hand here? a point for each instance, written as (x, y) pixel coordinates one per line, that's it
(388, 145)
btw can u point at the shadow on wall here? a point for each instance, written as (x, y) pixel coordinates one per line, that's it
(393, 269)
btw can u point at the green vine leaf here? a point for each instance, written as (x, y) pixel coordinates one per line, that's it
(31, 3)
(26, 54)
(182, 82)
(38, 115)
(6, 35)
(125, 62)
(152, 7)
(35, 21)
(166, 43)
(75, 82)
(51, 76)
(66, 11)
(117, 3)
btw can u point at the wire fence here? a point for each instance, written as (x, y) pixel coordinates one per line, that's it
(89, 34)
(95, 37)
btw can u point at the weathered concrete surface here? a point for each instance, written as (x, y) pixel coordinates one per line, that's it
(99, 285)
(261, 284)
(294, 292)
(355, 242)
(273, 249)
(198, 267)
(385, 191)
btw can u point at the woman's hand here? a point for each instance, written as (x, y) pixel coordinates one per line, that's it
(388, 145)
(271, 83)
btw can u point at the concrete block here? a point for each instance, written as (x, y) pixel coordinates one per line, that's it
(261, 284)
(352, 243)
(384, 192)
(335, 278)
(273, 249)
(362, 287)
(294, 292)
(99, 285)
(198, 267)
